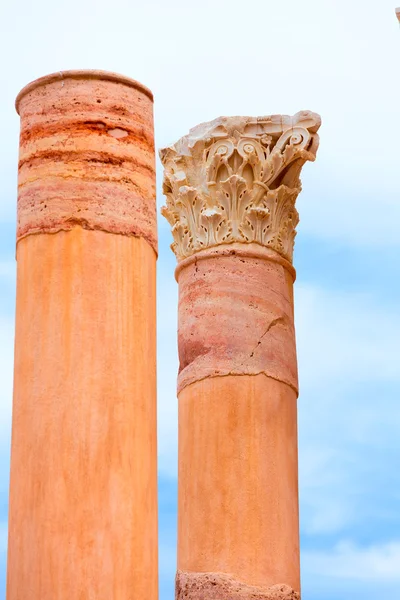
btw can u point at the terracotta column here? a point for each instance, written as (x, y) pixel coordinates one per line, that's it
(83, 506)
(231, 187)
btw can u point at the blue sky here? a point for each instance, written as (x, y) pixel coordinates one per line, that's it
(205, 59)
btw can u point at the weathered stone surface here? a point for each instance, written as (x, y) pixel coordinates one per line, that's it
(86, 155)
(238, 485)
(236, 315)
(219, 586)
(236, 179)
(83, 481)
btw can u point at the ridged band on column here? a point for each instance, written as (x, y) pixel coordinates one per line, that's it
(248, 289)
(88, 159)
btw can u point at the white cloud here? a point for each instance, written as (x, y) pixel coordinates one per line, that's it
(347, 342)
(345, 337)
(7, 271)
(167, 555)
(203, 59)
(327, 484)
(6, 376)
(167, 366)
(378, 562)
(3, 536)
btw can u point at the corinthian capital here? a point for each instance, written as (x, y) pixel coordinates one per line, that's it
(236, 179)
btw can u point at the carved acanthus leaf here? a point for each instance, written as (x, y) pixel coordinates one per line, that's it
(236, 179)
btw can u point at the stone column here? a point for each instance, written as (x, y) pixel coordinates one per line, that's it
(231, 187)
(83, 505)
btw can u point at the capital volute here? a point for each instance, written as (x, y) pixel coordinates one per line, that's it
(236, 179)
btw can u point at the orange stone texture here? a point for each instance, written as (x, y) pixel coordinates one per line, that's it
(83, 490)
(231, 187)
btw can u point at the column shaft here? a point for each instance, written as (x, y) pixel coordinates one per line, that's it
(83, 504)
(238, 489)
(231, 187)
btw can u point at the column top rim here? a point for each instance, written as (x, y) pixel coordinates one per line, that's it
(239, 249)
(82, 74)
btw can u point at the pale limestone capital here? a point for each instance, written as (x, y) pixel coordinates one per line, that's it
(236, 179)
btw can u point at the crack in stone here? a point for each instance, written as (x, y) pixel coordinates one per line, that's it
(270, 326)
